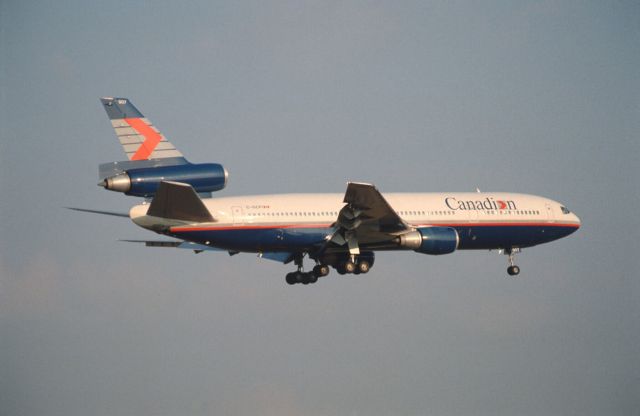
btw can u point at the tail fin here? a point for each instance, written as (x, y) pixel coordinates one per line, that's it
(139, 138)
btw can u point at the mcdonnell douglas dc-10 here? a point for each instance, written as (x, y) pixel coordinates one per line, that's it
(333, 230)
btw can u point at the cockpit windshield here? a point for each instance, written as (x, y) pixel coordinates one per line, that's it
(565, 210)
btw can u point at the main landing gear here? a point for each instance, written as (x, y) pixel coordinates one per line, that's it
(343, 263)
(300, 276)
(354, 265)
(512, 270)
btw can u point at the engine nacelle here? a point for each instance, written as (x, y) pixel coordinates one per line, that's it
(431, 240)
(144, 182)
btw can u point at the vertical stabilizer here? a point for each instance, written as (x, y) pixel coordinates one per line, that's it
(138, 137)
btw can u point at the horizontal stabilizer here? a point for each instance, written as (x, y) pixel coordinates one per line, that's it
(278, 256)
(178, 201)
(94, 211)
(175, 244)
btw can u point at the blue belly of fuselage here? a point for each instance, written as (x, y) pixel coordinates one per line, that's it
(264, 239)
(478, 237)
(260, 239)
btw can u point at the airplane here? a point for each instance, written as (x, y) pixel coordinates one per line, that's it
(339, 231)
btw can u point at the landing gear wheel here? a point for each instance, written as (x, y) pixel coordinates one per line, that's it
(291, 278)
(349, 267)
(513, 270)
(311, 278)
(363, 266)
(321, 270)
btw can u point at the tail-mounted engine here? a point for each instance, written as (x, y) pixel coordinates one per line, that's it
(143, 179)
(431, 240)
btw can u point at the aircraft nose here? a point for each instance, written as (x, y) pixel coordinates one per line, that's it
(576, 219)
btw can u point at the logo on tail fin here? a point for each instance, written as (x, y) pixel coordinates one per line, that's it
(138, 137)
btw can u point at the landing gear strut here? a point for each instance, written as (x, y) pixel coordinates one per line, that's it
(512, 270)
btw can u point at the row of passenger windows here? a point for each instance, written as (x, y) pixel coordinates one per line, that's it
(293, 214)
(522, 212)
(410, 212)
(512, 212)
(432, 213)
(334, 213)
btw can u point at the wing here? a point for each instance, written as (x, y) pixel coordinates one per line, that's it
(366, 218)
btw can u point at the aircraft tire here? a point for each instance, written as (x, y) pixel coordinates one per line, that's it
(349, 267)
(363, 266)
(321, 270)
(513, 270)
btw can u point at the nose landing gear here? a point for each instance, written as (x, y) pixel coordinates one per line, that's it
(512, 270)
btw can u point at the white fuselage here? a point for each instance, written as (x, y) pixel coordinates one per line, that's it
(415, 208)
(299, 222)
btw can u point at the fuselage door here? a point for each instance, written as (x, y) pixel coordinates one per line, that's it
(238, 217)
(549, 210)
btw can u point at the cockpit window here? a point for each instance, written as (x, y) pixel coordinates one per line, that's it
(565, 210)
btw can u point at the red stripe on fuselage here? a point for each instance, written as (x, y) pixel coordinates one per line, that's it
(508, 224)
(151, 138)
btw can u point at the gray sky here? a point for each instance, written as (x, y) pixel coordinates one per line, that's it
(536, 97)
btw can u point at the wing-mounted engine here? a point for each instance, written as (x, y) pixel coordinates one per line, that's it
(142, 178)
(431, 240)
